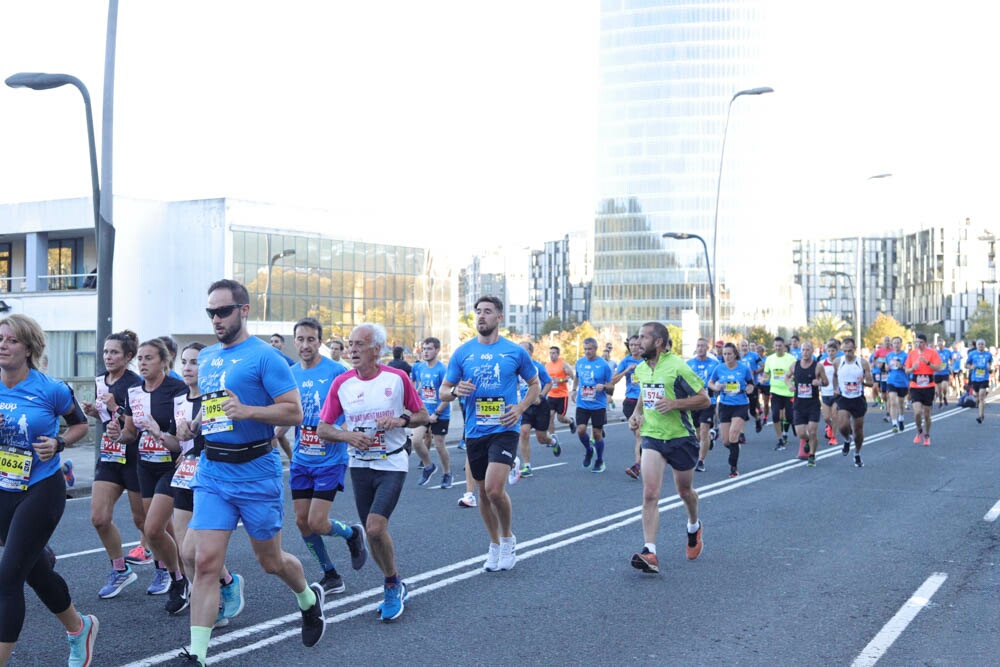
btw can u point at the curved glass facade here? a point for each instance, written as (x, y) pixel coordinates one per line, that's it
(668, 71)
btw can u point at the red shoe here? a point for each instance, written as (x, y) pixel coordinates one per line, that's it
(694, 544)
(833, 442)
(646, 562)
(917, 438)
(927, 441)
(829, 432)
(633, 471)
(803, 454)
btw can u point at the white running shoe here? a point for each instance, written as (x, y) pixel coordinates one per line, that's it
(508, 553)
(468, 499)
(515, 472)
(492, 563)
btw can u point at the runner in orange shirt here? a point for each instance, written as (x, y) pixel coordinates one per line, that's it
(558, 397)
(921, 364)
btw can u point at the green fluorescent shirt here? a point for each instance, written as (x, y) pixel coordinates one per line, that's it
(776, 367)
(672, 379)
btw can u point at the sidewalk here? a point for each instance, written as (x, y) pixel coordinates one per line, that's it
(82, 454)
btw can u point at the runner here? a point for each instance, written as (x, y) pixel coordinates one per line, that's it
(762, 384)
(670, 391)
(377, 402)
(535, 417)
(561, 374)
(957, 370)
(247, 390)
(733, 382)
(32, 488)
(897, 383)
(171, 345)
(149, 423)
(748, 357)
(827, 394)
(115, 472)
(626, 369)
(881, 363)
(704, 420)
(592, 376)
(317, 470)
(922, 363)
(876, 374)
(781, 396)
(942, 378)
(336, 346)
(612, 364)
(980, 363)
(850, 377)
(485, 371)
(186, 408)
(427, 376)
(795, 347)
(805, 378)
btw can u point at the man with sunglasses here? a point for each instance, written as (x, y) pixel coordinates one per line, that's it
(247, 390)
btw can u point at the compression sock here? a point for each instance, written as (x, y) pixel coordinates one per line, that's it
(584, 440)
(599, 445)
(340, 529)
(316, 547)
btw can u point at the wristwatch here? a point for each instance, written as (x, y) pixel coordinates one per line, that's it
(406, 419)
(60, 443)
(453, 393)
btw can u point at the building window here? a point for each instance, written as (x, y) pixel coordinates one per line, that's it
(4, 267)
(66, 263)
(70, 354)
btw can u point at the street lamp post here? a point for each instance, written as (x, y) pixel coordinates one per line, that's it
(270, 267)
(681, 236)
(103, 231)
(991, 238)
(718, 188)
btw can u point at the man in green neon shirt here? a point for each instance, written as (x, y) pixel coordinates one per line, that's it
(777, 366)
(669, 391)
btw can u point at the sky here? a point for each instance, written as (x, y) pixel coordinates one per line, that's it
(457, 124)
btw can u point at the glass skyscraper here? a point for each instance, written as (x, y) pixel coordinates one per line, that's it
(668, 71)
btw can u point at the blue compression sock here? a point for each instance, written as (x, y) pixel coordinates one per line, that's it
(318, 549)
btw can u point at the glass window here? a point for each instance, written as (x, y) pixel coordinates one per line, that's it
(65, 259)
(5, 268)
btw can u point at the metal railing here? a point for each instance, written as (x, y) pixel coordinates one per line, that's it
(57, 282)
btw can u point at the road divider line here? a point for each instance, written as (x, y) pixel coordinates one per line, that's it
(897, 624)
(994, 513)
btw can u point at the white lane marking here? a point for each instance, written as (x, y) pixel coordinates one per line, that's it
(125, 545)
(890, 632)
(456, 482)
(994, 513)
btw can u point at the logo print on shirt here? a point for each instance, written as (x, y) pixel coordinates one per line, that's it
(31, 398)
(388, 392)
(236, 361)
(217, 363)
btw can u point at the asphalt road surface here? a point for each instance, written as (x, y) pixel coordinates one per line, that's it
(895, 563)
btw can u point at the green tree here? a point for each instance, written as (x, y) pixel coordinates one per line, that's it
(676, 338)
(551, 324)
(980, 325)
(760, 336)
(885, 325)
(824, 327)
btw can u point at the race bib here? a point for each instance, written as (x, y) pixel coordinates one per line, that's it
(489, 410)
(213, 417)
(15, 468)
(112, 451)
(588, 393)
(805, 390)
(376, 450)
(151, 450)
(182, 413)
(894, 364)
(923, 380)
(732, 388)
(185, 472)
(428, 393)
(309, 442)
(852, 387)
(651, 393)
(979, 374)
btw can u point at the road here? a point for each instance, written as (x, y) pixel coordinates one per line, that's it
(802, 566)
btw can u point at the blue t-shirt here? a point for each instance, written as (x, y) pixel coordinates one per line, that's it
(703, 369)
(631, 386)
(257, 375)
(589, 374)
(795, 352)
(896, 362)
(752, 361)
(956, 361)
(735, 381)
(945, 354)
(428, 381)
(314, 385)
(494, 369)
(543, 379)
(979, 363)
(31, 410)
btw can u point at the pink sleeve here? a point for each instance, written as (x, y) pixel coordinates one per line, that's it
(331, 406)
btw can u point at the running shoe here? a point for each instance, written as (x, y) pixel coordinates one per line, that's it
(743, 440)
(895, 428)
(694, 544)
(314, 618)
(633, 471)
(846, 449)
(588, 457)
(161, 583)
(780, 446)
(572, 424)
(526, 470)
(918, 437)
(468, 499)
(461, 444)
(759, 426)
(700, 466)
(186, 656)
(67, 468)
(556, 449)
(515, 472)
(858, 463)
(979, 420)
(812, 461)
(393, 598)
(733, 472)
(598, 466)
(81, 645)
(555, 440)
(180, 596)
(713, 434)
(231, 598)
(802, 450)
(332, 582)
(446, 480)
(885, 418)
(117, 581)
(829, 432)
(646, 561)
(220, 619)
(508, 554)
(927, 441)
(492, 563)
(139, 555)
(426, 473)
(833, 442)
(356, 544)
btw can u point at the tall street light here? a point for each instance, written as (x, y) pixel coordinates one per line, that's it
(718, 185)
(857, 298)
(270, 267)
(991, 238)
(681, 236)
(103, 231)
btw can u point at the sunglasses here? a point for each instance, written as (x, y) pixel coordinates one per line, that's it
(223, 311)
